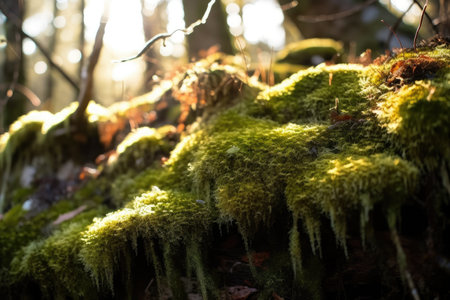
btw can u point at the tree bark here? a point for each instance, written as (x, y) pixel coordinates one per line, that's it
(12, 104)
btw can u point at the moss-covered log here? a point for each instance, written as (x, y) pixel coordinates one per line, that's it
(353, 158)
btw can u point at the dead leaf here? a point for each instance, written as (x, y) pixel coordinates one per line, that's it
(240, 292)
(69, 215)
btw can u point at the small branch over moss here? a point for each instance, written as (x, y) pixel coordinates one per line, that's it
(420, 23)
(164, 36)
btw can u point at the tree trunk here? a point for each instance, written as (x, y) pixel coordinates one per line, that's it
(12, 104)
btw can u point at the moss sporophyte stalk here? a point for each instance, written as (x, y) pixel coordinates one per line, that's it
(253, 158)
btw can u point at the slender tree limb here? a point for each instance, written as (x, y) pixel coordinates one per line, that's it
(336, 16)
(164, 36)
(28, 93)
(420, 23)
(87, 75)
(435, 29)
(393, 29)
(16, 21)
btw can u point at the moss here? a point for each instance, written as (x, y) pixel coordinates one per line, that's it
(310, 94)
(416, 116)
(245, 161)
(170, 216)
(338, 184)
(53, 262)
(302, 52)
(42, 140)
(140, 149)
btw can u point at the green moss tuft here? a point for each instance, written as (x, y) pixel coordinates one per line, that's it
(170, 216)
(246, 161)
(53, 262)
(338, 184)
(308, 95)
(302, 52)
(417, 118)
(140, 149)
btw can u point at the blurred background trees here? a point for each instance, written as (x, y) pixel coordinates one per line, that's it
(44, 44)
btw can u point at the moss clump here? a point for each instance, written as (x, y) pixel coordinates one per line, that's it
(339, 184)
(140, 148)
(53, 262)
(242, 163)
(42, 140)
(308, 95)
(170, 216)
(310, 52)
(417, 117)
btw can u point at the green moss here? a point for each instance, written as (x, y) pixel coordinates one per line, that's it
(53, 262)
(140, 149)
(170, 216)
(338, 185)
(417, 118)
(244, 161)
(302, 52)
(308, 95)
(18, 229)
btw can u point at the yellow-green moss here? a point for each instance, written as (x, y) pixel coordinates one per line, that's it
(338, 185)
(53, 262)
(308, 95)
(245, 161)
(302, 52)
(170, 216)
(139, 149)
(417, 117)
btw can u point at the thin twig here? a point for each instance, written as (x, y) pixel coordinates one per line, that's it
(420, 24)
(16, 21)
(393, 29)
(403, 269)
(435, 29)
(289, 5)
(87, 75)
(164, 36)
(29, 94)
(336, 16)
(392, 33)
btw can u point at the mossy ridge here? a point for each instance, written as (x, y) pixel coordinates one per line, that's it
(301, 53)
(53, 262)
(17, 229)
(416, 116)
(140, 149)
(169, 216)
(241, 162)
(338, 184)
(308, 95)
(39, 135)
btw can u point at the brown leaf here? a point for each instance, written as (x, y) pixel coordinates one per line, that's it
(240, 292)
(69, 215)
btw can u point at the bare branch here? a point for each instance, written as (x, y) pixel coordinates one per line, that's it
(420, 23)
(289, 5)
(336, 16)
(28, 93)
(164, 36)
(435, 29)
(393, 29)
(15, 20)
